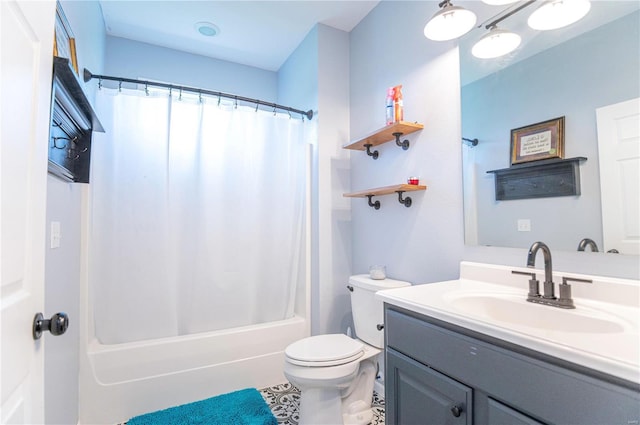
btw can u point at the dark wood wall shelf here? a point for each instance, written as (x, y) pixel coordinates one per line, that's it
(539, 179)
(73, 122)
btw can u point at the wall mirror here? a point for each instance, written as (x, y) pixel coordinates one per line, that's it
(568, 72)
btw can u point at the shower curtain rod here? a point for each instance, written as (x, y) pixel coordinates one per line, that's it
(88, 76)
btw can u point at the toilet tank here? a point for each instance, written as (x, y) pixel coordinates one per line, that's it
(367, 311)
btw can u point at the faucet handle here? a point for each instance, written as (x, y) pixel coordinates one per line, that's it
(575, 279)
(534, 290)
(533, 275)
(565, 300)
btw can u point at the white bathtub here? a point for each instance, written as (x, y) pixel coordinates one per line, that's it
(120, 381)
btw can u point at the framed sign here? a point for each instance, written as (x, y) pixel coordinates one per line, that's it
(544, 140)
(64, 43)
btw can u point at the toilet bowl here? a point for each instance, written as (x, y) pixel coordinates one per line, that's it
(336, 373)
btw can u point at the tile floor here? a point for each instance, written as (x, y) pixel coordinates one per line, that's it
(284, 400)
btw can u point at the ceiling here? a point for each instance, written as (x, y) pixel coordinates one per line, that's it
(257, 33)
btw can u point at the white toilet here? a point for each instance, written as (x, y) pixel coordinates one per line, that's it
(336, 373)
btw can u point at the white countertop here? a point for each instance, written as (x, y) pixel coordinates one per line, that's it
(613, 348)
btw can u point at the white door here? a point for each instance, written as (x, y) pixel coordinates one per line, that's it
(26, 35)
(619, 153)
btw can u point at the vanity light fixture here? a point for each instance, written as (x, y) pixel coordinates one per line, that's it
(497, 42)
(449, 22)
(554, 14)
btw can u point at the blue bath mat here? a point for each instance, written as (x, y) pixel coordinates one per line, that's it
(244, 407)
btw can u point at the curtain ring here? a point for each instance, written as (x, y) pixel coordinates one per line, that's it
(200, 97)
(146, 88)
(99, 83)
(274, 110)
(302, 116)
(219, 98)
(236, 103)
(257, 106)
(289, 113)
(180, 96)
(170, 91)
(120, 86)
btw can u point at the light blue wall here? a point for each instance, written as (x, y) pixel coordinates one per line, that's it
(334, 218)
(133, 59)
(423, 243)
(63, 265)
(298, 87)
(297, 78)
(316, 76)
(578, 76)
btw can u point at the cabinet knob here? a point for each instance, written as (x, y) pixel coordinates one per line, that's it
(456, 411)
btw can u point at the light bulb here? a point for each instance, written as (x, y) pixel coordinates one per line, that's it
(449, 22)
(558, 13)
(497, 42)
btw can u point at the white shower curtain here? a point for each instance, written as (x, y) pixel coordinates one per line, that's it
(196, 215)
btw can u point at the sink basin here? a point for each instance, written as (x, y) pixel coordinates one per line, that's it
(512, 309)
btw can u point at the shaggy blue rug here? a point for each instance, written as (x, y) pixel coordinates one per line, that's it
(244, 407)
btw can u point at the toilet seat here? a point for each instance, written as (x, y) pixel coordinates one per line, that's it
(324, 351)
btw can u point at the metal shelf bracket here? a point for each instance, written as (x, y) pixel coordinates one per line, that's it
(404, 144)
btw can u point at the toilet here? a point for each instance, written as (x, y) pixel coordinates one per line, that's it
(336, 373)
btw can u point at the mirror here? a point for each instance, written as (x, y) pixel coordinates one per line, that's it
(568, 72)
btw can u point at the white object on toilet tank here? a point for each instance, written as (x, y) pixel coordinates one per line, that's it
(367, 310)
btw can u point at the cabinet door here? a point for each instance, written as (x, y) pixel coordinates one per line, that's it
(500, 414)
(416, 394)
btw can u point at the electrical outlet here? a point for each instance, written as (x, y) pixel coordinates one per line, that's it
(524, 225)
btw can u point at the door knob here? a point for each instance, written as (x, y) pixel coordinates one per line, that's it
(57, 325)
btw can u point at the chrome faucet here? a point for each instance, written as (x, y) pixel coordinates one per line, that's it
(586, 242)
(548, 268)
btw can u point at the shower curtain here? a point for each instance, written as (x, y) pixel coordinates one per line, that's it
(196, 215)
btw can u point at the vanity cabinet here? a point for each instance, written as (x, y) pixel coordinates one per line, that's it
(419, 389)
(439, 373)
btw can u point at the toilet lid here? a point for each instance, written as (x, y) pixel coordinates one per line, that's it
(324, 350)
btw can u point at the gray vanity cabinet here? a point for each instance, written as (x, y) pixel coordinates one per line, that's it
(438, 373)
(421, 391)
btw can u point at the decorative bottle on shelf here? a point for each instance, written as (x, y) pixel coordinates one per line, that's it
(390, 116)
(398, 108)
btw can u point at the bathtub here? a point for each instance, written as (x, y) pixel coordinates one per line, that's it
(120, 381)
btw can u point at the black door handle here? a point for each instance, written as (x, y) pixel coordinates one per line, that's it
(57, 325)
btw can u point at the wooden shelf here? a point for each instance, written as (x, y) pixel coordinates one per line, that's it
(387, 190)
(384, 135)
